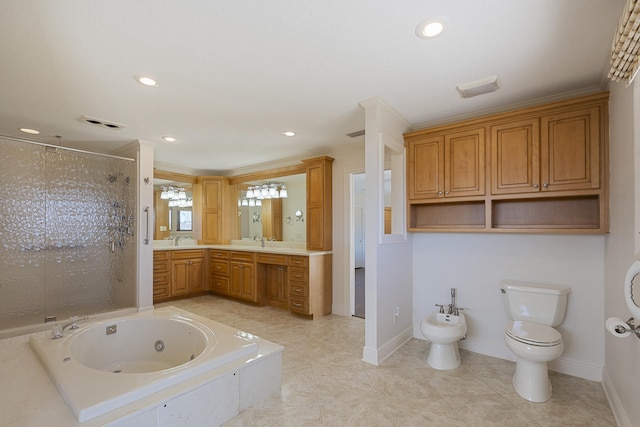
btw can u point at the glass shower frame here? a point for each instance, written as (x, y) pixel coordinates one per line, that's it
(67, 241)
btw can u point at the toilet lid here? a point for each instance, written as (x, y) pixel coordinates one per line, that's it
(533, 333)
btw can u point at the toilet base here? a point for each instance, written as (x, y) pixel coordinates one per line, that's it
(444, 356)
(531, 380)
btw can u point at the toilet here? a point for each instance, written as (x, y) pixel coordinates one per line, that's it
(534, 309)
(444, 331)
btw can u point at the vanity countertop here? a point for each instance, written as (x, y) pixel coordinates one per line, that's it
(248, 248)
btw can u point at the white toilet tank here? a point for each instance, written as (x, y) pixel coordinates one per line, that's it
(533, 302)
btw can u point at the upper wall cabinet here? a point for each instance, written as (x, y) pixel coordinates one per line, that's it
(319, 203)
(564, 156)
(546, 171)
(213, 191)
(447, 164)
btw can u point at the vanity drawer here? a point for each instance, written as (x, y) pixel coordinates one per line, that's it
(160, 267)
(220, 267)
(299, 261)
(300, 305)
(272, 259)
(160, 279)
(298, 289)
(218, 254)
(243, 256)
(220, 284)
(160, 255)
(299, 274)
(187, 254)
(160, 291)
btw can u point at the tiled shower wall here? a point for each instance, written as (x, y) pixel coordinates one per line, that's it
(66, 233)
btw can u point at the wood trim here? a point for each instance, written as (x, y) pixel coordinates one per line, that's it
(173, 176)
(268, 174)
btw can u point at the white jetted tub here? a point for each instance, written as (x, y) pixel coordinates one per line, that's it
(105, 365)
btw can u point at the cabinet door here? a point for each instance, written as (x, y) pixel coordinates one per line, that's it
(277, 293)
(179, 277)
(235, 279)
(196, 275)
(212, 211)
(515, 157)
(426, 168)
(464, 163)
(570, 150)
(248, 289)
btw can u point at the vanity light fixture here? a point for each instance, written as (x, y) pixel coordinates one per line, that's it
(147, 81)
(431, 27)
(289, 133)
(30, 131)
(270, 190)
(169, 138)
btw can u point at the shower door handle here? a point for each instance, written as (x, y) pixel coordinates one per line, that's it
(146, 240)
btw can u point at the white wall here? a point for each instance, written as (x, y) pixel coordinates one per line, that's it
(475, 264)
(622, 356)
(387, 264)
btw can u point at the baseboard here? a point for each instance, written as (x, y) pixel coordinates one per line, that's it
(564, 366)
(377, 356)
(619, 413)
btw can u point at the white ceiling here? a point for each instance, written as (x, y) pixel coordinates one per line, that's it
(234, 74)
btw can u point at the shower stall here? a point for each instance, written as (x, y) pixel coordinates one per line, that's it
(67, 242)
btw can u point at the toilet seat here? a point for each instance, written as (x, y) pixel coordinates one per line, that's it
(533, 334)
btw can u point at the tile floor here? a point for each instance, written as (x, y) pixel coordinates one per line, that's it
(325, 383)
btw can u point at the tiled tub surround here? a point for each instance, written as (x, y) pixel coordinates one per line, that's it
(224, 379)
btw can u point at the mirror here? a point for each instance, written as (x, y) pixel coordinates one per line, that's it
(275, 218)
(173, 206)
(392, 165)
(632, 289)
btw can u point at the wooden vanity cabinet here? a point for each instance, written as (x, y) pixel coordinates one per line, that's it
(272, 278)
(309, 282)
(242, 277)
(219, 271)
(187, 272)
(213, 192)
(161, 271)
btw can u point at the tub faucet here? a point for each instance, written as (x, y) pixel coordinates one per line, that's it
(57, 331)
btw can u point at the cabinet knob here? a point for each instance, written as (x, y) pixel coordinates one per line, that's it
(440, 193)
(446, 192)
(545, 185)
(535, 185)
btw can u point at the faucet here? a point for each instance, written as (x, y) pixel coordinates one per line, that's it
(175, 240)
(57, 331)
(259, 239)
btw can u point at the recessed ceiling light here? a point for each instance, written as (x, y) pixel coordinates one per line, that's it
(169, 138)
(431, 27)
(289, 133)
(30, 131)
(147, 81)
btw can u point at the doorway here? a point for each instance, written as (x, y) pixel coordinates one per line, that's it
(357, 203)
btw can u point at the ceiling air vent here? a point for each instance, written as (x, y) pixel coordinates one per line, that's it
(102, 123)
(356, 133)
